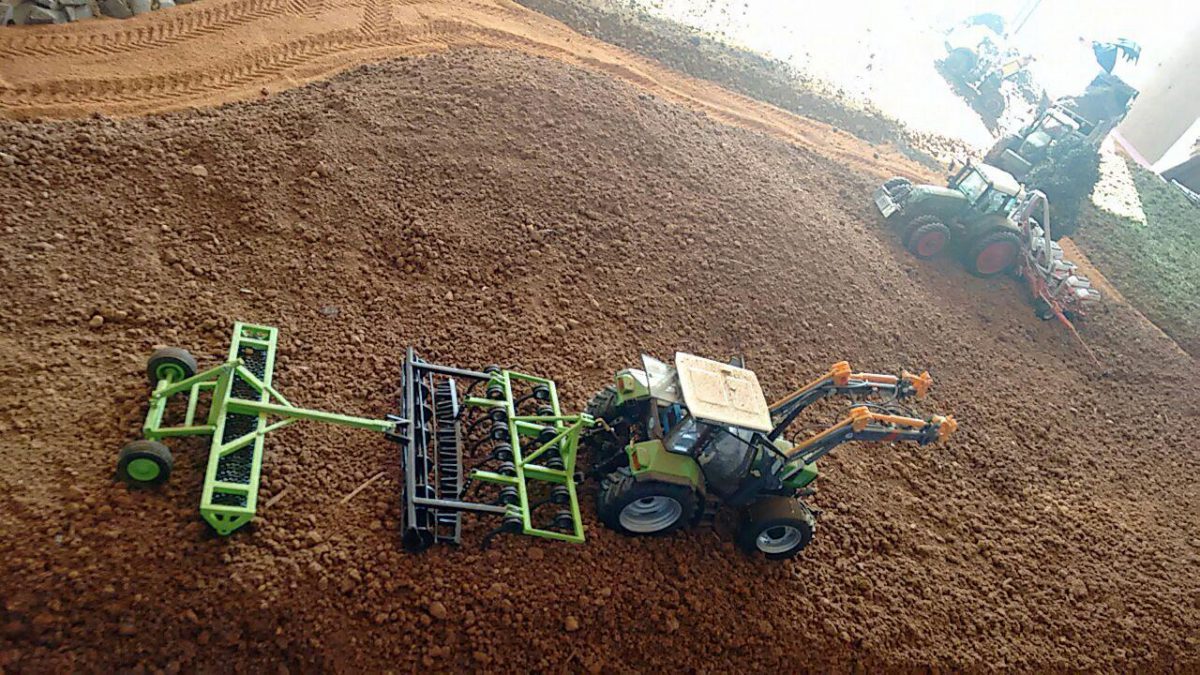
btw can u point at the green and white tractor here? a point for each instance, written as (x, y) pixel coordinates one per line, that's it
(675, 443)
(969, 216)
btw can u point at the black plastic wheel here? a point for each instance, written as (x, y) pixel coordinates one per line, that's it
(929, 238)
(993, 254)
(173, 361)
(603, 405)
(960, 62)
(644, 508)
(777, 527)
(145, 463)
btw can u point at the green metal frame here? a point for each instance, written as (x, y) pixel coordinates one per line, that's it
(228, 503)
(569, 428)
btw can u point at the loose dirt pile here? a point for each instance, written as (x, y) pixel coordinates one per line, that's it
(494, 207)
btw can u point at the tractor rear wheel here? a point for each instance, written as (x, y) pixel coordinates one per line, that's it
(993, 254)
(928, 237)
(777, 527)
(145, 463)
(648, 507)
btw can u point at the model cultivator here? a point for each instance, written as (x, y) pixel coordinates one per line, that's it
(670, 443)
(520, 447)
(1059, 289)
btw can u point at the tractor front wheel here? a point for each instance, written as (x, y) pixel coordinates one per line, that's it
(993, 254)
(649, 507)
(928, 237)
(603, 405)
(145, 463)
(777, 527)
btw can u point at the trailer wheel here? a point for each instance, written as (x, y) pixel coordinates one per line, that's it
(641, 508)
(173, 361)
(928, 238)
(777, 527)
(145, 463)
(993, 254)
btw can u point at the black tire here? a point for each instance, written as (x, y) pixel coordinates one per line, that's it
(1042, 309)
(145, 463)
(776, 527)
(893, 183)
(928, 238)
(1002, 145)
(960, 62)
(649, 503)
(170, 360)
(973, 258)
(603, 405)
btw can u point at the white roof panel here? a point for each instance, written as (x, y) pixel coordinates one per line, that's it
(721, 393)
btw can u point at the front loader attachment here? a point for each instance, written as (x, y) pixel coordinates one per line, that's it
(492, 441)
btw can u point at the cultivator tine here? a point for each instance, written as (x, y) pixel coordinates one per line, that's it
(447, 426)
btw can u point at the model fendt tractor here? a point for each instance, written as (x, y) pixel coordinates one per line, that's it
(969, 216)
(673, 443)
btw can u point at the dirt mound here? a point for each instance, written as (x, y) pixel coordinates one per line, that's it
(208, 53)
(490, 206)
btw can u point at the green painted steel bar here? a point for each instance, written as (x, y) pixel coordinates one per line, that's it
(239, 405)
(183, 385)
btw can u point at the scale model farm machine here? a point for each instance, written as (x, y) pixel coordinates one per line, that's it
(670, 443)
(997, 227)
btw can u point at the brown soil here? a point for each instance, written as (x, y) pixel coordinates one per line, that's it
(492, 206)
(210, 52)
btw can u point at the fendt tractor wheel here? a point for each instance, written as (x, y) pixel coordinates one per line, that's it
(647, 507)
(928, 238)
(777, 527)
(145, 463)
(173, 361)
(993, 254)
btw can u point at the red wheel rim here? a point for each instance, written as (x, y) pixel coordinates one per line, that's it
(996, 257)
(930, 244)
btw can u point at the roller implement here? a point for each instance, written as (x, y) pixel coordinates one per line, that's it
(675, 443)
(243, 408)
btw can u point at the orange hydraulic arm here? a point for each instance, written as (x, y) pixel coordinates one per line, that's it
(841, 380)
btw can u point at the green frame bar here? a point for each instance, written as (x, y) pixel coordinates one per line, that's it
(569, 428)
(219, 381)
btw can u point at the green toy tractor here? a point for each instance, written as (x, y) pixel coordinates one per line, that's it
(675, 443)
(969, 216)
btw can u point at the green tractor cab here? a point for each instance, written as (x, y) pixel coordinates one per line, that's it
(674, 443)
(968, 217)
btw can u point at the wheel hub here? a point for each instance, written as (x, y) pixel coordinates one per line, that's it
(651, 514)
(779, 539)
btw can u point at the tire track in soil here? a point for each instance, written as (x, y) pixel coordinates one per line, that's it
(212, 52)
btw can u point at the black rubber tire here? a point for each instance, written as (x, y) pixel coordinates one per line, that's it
(603, 405)
(925, 229)
(997, 151)
(620, 489)
(908, 227)
(971, 257)
(893, 183)
(153, 451)
(960, 62)
(170, 357)
(1042, 309)
(776, 512)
